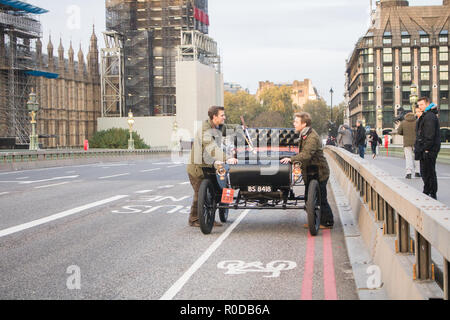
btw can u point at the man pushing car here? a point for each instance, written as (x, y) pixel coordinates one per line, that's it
(313, 163)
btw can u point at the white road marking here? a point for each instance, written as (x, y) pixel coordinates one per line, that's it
(23, 178)
(183, 183)
(150, 170)
(115, 176)
(70, 171)
(237, 267)
(175, 166)
(3, 193)
(173, 291)
(166, 187)
(52, 185)
(143, 191)
(57, 216)
(51, 179)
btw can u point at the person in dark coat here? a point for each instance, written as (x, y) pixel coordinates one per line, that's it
(360, 138)
(428, 145)
(373, 137)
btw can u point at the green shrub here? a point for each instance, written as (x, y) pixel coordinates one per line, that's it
(115, 139)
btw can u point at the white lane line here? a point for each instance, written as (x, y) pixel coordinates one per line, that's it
(150, 170)
(3, 193)
(183, 183)
(115, 176)
(52, 185)
(70, 171)
(166, 187)
(57, 216)
(173, 291)
(175, 166)
(52, 179)
(23, 178)
(143, 191)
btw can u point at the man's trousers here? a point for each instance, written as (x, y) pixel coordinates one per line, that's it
(428, 171)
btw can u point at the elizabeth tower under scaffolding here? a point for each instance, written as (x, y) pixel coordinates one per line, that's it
(151, 31)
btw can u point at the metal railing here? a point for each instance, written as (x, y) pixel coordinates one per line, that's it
(400, 211)
(45, 155)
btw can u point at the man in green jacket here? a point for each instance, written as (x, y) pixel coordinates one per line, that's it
(407, 129)
(313, 162)
(207, 150)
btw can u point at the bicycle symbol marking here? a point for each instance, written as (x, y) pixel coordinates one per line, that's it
(236, 267)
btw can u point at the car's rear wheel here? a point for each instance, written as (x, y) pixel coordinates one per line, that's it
(313, 207)
(206, 206)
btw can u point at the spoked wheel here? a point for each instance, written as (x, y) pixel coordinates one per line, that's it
(223, 214)
(206, 206)
(313, 207)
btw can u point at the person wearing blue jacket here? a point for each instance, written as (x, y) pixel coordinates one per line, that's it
(428, 145)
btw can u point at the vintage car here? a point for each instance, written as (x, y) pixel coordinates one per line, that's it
(259, 181)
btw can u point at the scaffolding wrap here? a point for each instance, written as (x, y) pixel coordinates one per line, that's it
(163, 20)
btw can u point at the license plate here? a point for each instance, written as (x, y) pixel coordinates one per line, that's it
(259, 189)
(227, 196)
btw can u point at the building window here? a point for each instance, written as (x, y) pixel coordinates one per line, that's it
(425, 91)
(369, 41)
(443, 73)
(425, 54)
(443, 36)
(387, 40)
(387, 55)
(443, 53)
(406, 92)
(425, 73)
(406, 55)
(388, 94)
(424, 39)
(406, 73)
(387, 74)
(406, 40)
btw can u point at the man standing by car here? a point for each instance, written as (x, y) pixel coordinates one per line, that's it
(407, 129)
(312, 161)
(428, 145)
(206, 150)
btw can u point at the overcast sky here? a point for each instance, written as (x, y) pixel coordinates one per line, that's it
(259, 40)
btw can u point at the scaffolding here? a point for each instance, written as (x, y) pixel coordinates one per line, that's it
(18, 27)
(164, 19)
(138, 73)
(112, 80)
(196, 46)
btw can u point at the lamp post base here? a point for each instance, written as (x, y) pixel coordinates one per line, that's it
(34, 143)
(131, 144)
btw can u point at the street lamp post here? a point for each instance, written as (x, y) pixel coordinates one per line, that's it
(130, 124)
(33, 108)
(413, 97)
(331, 111)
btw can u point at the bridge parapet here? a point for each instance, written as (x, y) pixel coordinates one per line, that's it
(396, 209)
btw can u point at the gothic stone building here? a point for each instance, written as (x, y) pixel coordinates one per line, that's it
(70, 104)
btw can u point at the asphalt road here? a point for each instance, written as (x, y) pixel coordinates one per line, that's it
(119, 231)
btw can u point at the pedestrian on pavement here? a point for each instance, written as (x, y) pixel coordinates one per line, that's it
(345, 137)
(407, 129)
(360, 138)
(428, 145)
(373, 138)
(312, 162)
(206, 151)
